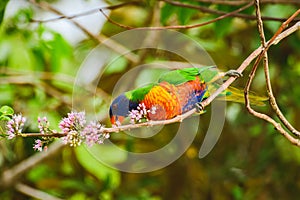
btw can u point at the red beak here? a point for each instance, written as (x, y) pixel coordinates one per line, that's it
(117, 119)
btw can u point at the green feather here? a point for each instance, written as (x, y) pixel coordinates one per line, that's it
(207, 74)
(183, 75)
(237, 95)
(139, 93)
(234, 94)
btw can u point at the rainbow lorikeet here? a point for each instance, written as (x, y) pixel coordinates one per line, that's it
(175, 93)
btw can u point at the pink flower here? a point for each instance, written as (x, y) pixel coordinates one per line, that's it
(72, 126)
(73, 138)
(43, 125)
(38, 145)
(78, 131)
(140, 114)
(153, 110)
(93, 134)
(15, 125)
(74, 122)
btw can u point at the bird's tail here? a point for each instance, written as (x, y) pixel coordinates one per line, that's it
(237, 95)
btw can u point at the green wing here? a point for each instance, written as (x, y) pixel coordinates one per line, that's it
(139, 93)
(180, 76)
(237, 95)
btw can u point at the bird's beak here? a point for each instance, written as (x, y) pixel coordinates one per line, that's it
(113, 119)
(117, 120)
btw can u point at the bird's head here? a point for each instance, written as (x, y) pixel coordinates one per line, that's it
(119, 109)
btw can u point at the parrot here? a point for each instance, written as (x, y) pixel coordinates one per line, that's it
(175, 93)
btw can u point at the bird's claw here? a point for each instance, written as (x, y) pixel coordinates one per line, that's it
(233, 73)
(199, 107)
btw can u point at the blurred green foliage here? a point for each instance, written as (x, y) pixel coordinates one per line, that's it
(250, 161)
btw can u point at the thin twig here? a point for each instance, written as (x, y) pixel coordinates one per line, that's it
(269, 89)
(247, 62)
(283, 26)
(31, 80)
(97, 38)
(92, 11)
(273, 102)
(263, 116)
(201, 8)
(114, 22)
(35, 193)
(225, 15)
(38, 80)
(288, 32)
(252, 74)
(263, 55)
(240, 2)
(217, 12)
(116, 129)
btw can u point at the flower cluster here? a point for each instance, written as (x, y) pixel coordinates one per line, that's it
(78, 130)
(141, 113)
(40, 145)
(44, 127)
(75, 130)
(74, 122)
(93, 134)
(72, 126)
(73, 138)
(15, 126)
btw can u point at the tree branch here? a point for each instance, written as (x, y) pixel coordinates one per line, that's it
(217, 12)
(32, 192)
(273, 102)
(38, 79)
(9, 176)
(225, 15)
(240, 2)
(248, 60)
(268, 82)
(95, 10)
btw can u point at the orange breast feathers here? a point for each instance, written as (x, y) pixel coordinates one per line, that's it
(166, 101)
(163, 102)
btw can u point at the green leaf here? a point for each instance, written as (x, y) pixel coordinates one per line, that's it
(40, 172)
(237, 192)
(166, 12)
(3, 4)
(184, 15)
(4, 118)
(6, 111)
(282, 11)
(94, 166)
(19, 56)
(223, 27)
(61, 50)
(117, 65)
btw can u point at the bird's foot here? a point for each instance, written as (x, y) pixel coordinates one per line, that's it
(233, 73)
(199, 107)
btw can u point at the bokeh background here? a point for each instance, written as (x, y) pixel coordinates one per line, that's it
(39, 62)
